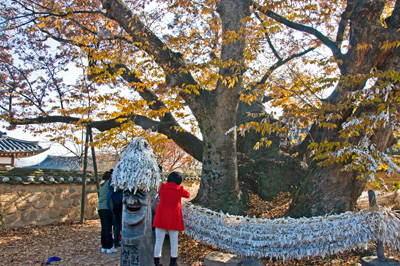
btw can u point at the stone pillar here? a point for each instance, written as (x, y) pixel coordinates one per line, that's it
(136, 245)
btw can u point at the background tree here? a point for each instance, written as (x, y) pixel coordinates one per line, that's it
(210, 64)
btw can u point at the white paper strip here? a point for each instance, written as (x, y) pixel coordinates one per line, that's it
(288, 238)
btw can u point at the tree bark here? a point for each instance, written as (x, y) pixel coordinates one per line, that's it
(219, 187)
(326, 191)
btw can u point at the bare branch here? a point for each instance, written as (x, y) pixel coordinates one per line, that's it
(325, 40)
(187, 141)
(269, 39)
(283, 62)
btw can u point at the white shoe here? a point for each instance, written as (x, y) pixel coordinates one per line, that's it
(112, 250)
(103, 250)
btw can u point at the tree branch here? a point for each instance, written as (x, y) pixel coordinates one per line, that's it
(177, 74)
(281, 63)
(325, 40)
(168, 124)
(344, 21)
(274, 51)
(187, 141)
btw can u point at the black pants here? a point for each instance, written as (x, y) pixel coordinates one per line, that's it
(106, 219)
(117, 224)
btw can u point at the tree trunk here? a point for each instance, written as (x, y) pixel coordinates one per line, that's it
(219, 188)
(266, 171)
(326, 191)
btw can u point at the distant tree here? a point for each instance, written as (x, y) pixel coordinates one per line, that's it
(172, 158)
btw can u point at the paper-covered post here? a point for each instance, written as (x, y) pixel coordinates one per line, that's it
(137, 173)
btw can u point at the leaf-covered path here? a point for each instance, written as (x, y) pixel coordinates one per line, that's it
(74, 243)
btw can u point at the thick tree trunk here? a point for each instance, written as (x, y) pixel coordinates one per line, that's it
(219, 188)
(266, 171)
(326, 191)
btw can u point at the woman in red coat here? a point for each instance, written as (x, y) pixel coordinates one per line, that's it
(168, 216)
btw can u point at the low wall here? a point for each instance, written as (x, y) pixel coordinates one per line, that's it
(191, 186)
(41, 204)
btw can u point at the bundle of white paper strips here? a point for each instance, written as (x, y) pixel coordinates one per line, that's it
(137, 169)
(288, 238)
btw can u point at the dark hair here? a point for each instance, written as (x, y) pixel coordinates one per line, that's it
(107, 175)
(175, 177)
(111, 170)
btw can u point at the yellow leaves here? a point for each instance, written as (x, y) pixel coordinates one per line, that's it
(396, 185)
(364, 47)
(391, 45)
(328, 152)
(263, 142)
(179, 129)
(190, 88)
(327, 125)
(230, 81)
(232, 36)
(325, 146)
(248, 98)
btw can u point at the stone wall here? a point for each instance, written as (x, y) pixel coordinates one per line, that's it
(41, 204)
(192, 187)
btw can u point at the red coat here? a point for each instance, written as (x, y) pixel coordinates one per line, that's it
(169, 212)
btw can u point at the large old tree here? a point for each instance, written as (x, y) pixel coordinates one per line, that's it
(276, 96)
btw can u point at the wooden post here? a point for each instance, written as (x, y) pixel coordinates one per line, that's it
(84, 176)
(96, 175)
(379, 245)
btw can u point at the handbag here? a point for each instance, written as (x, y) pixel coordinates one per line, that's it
(155, 203)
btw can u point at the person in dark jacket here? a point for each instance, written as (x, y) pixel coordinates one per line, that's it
(169, 216)
(116, 197)
(106, 216)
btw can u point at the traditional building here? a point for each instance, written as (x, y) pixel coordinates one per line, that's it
(11, 148)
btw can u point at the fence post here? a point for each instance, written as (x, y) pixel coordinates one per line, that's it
(379, 245)
(84, 176)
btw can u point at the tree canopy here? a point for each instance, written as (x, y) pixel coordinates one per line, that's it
(312, 86)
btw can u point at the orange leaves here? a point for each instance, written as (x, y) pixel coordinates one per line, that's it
(170, 156)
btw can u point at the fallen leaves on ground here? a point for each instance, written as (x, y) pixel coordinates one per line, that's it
(74, 243)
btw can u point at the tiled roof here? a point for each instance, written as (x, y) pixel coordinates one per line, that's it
(10, 146)
(58, 162)
(104, 162)
(42, 176)
(43, 180)
(26, 180)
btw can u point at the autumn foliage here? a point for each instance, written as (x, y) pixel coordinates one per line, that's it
(312, 86)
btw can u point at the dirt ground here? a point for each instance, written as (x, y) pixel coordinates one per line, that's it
(74, 243)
